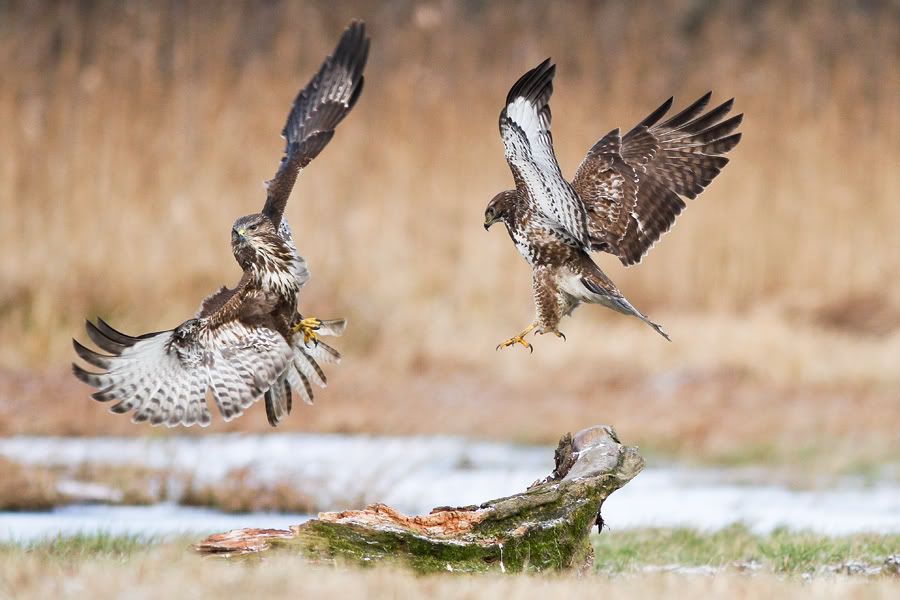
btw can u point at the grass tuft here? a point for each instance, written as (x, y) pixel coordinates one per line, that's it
(782, 551)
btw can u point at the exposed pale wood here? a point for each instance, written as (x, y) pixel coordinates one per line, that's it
(546, 527)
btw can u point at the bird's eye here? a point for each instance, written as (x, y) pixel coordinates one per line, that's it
(253, 227)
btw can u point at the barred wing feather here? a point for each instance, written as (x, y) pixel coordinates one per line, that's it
(633, 186)
(164, 377)
(317, 110)
(528, 145)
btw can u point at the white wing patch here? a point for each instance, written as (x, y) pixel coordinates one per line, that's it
(164, 378)
(539, 142)
(528, 146)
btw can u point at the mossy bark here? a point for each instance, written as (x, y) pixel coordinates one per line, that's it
(546, 527)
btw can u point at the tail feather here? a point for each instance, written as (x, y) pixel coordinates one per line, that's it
(278, 401)
(332, 327)
(628, 308)
(304, 370)
(619, 302)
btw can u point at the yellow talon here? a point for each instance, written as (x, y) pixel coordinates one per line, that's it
(558, 334)
(519, 339)
(515, 340)
(308, 327)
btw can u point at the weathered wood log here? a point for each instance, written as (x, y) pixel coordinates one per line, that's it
(546, 527)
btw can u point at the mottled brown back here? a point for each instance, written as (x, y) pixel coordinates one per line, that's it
(633, 186)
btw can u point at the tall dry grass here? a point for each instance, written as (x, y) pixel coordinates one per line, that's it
(116, 568)
(133, 135)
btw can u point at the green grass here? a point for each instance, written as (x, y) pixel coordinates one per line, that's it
(782, 551)
(83, 547)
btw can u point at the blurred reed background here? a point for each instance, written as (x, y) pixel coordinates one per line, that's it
(134, 133)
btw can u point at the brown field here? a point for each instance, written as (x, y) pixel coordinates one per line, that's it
(169, 572)
(133, 136)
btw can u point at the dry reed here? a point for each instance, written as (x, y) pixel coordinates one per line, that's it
(134, 134)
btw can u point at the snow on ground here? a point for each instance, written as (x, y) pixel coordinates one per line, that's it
(415, 474)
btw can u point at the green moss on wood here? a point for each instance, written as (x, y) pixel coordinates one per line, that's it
(546, 528)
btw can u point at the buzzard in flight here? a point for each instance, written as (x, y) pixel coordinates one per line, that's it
(625, 195)
(247, 341)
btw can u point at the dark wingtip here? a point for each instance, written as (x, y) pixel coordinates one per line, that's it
(289, 396)
(77, 372)
(533, 82)
(89, 356)
(114, 334)
(353, 47)
(104, 341)
(92, 379)
(651, 119)
(356, 93)
(270, 408)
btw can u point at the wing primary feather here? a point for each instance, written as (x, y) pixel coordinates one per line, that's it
(715, 132)
(720, 146)
(92, 358)
(655, 116)
(105, 343)
(92, 379)
(115, 335)
(317, 109)
(666, 162)
(533, 83)
(688, 113)
(709, 119)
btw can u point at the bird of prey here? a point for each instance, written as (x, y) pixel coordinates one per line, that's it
(247, 341)
(627, 193)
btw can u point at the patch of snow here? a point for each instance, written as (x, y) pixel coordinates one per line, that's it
(158, 521)
(681, 569)
(84, 491)
(415, 474)
(675, 497)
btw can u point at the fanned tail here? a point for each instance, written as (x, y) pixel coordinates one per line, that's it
(304, 371)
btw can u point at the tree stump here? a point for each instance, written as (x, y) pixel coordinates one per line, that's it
(546, 527)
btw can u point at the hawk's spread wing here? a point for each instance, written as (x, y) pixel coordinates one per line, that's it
(632, 186)
(317, 110)
(525, 129)
(164, 377)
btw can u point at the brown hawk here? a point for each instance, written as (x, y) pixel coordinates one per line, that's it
(247, 341)
(625, 195)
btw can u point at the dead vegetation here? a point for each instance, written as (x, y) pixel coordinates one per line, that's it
(240, 492)
(36, 487)
(135, 134)
(724, 415)
(169, 570)
(23, 488)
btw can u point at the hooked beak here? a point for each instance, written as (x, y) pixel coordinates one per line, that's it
(489, 222)
(237, 235)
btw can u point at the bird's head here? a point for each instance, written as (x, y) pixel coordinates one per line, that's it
(252, 234)
(500, 208)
